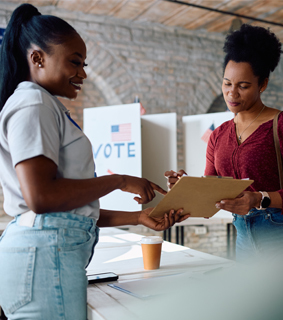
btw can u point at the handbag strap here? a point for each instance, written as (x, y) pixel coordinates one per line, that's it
(277, 149)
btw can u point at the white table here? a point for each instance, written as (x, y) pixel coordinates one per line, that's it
(221, 217)
(119, 251)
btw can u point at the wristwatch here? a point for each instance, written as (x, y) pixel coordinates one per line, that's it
(265, 201)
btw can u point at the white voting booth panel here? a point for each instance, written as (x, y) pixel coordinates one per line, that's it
(194, 147)
(148, 151)
(115, 135)
(159, 149)
(195, 151)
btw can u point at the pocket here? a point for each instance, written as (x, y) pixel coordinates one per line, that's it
(275, 218)
(73, 238)
(16, 270)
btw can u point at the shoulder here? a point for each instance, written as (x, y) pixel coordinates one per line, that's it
(223, 129)
(29, 95)
(220, 133)
(280, 122)
(279, 127)
(31, 106)
(280, 118)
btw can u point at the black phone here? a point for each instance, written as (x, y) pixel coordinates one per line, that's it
(102, 277)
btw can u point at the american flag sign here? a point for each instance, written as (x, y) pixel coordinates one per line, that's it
(121, 132)
(207, 133)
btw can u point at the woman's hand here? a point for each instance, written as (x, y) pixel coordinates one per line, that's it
(242, 204)
(173, 177)
(162, 223)
(141, 186)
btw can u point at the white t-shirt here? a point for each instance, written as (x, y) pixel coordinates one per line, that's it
(33, 123)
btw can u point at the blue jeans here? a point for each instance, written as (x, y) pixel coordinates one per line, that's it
(42, 268)
(259, 234)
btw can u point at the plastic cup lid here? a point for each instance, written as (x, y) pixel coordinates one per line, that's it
(151, 240)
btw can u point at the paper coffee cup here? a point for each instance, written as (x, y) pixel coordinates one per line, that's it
(151, 251)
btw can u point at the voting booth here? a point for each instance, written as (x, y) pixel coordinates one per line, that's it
(159, 149)
(115, 135)
(124, 142)
(196, 130)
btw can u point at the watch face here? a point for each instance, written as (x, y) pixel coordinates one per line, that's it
(265, 202)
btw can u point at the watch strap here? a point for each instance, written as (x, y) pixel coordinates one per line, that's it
(264, 194)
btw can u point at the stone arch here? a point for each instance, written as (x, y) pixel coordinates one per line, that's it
(207, 90)
(109, 75)
(218, 105)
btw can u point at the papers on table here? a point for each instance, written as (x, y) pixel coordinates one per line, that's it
(161, 285)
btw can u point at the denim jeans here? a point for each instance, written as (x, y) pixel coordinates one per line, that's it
(259, 234)
(42, 268)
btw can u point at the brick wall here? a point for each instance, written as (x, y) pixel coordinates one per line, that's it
(170, 69)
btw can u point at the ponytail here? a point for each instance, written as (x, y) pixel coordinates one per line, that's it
(26, 27)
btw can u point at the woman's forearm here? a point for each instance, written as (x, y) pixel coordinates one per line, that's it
(44, 192)
(276, 200)
(110, 218)
(68, 194)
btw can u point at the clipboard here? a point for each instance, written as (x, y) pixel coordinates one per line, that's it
(198, 195)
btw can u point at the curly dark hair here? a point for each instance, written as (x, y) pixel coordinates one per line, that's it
(255, 45)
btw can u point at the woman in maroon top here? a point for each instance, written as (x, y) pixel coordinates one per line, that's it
(243, 147)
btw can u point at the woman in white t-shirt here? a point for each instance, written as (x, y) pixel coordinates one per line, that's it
(47, 174)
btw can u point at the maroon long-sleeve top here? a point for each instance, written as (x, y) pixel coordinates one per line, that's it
(255, 158)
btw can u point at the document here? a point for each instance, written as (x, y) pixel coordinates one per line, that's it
(198, 195)
(163, 284)
(147, 288)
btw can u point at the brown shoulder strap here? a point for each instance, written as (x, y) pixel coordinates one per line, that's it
(277, 148)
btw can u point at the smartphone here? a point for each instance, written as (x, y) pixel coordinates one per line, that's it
(102, 277)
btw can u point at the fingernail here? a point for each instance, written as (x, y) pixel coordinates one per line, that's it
(174, 174)
(222, 202)
(217, 205)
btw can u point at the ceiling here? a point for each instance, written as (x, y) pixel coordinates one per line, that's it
(173, 14)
